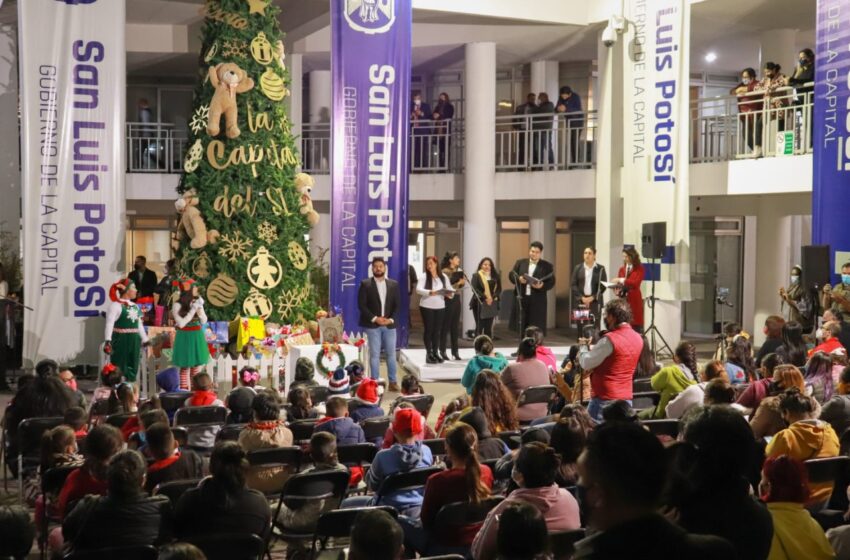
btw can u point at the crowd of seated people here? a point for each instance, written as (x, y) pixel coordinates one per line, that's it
(731, 481)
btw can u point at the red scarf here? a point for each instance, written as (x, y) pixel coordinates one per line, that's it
(159, 465)
(267, 425)
(203, 398)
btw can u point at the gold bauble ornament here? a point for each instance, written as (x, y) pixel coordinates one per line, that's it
(297, 255)
(264, 271)
(261, 49)
(222, 291)
(272, 85)
(257, 305)
(193, 156)
(201, 266)
(211, 52)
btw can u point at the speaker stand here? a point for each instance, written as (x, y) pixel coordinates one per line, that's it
(664, 351)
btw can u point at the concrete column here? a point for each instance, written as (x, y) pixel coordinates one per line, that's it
(320, 235)
(609, 158)
(10, 173)
(479, 204)
(320, 96)
(773, 261)
(779, 46)
(541, 227)
(296, 92)
(544, 78)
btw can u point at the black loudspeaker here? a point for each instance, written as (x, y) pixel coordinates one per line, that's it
(815, 266)
(653, 240)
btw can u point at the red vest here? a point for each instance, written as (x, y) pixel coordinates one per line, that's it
(612, 380)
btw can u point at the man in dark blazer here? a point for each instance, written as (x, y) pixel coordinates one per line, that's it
(532, 295)
(143, 277)
(378, 300)
(588, 295)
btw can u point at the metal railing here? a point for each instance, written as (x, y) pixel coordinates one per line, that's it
(435, 147)
(154, 148)
(752, 125)
(316, 148)
(721, 129)
(552, 141)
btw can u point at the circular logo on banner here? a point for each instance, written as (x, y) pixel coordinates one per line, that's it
(370, 16)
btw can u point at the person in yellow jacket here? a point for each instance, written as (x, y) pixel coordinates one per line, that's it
(796, 536)
(805, 438)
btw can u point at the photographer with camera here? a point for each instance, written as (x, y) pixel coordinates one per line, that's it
(613, 359)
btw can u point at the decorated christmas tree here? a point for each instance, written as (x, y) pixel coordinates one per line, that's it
(243, 210)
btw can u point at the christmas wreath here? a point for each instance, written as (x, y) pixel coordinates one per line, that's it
(326, 351)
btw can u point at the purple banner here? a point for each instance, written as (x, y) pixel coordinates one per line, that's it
(831, 127)
(370, 62)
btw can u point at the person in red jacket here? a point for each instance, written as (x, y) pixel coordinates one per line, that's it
(828, 333)
(613, 359)
(629, 278)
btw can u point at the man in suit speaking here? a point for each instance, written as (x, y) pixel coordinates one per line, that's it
(586, 285)
(378, 300)
(533, 277)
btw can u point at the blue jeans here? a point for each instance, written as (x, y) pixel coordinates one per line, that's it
(595, 406)
(381, 338)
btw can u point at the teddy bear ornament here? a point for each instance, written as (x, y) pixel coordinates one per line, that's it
(228, 79)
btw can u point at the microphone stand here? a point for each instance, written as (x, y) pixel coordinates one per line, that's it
(518, 289)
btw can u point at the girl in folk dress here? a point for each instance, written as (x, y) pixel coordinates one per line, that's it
(125, 334)
(190, 347)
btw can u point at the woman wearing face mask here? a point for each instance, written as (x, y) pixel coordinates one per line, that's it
(804, 72)
(776, 101)
(796, 302)
(749, 106)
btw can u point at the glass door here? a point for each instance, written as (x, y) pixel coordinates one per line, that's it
(716, 254)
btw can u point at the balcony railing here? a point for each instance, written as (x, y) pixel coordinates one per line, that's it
(721, 129)
(752, 125)
(154, 148)
(545, 142)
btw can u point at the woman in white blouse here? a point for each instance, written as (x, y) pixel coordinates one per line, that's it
(433, 287)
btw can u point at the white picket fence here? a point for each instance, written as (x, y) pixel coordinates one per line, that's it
(221, 369)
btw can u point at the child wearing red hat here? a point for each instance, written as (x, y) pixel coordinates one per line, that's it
(368, 395)
(407, 454)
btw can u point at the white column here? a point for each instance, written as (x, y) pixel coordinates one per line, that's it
(544, 78)
(773, 261)
(479, 204)
(296, 92)
(609, 158)
(541, 227)
(779, 46)
(10, 173)
(320, 96)
(320, 235)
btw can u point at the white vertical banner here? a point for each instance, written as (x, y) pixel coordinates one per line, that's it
(655, 181)
(72, 75)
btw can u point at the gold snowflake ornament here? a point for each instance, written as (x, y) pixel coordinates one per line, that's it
(234, 48)
(234, 247)
(199, 119)
(267, 232)
(288, 300)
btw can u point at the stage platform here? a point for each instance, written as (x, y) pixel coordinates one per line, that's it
(413, 360)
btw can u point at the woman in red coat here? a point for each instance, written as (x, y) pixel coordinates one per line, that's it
(630, 276)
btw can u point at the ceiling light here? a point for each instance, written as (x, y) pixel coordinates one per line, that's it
(711, 57)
